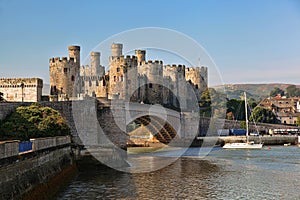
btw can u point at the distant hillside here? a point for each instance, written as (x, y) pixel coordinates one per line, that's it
(256, 91)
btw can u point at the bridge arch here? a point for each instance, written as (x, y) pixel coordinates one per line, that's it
(162, 130)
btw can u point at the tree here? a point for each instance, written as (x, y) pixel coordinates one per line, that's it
(32, 122)
(205, 103)
(292, 91)
(276, 91)
(263, 115)
(212, 103)
(237, 108)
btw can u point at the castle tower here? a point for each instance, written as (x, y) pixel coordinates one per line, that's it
(116, 50)
(175, 76)
(96, 69)
(63, 75)
(74, 52)
(141, 55)
(152, 90)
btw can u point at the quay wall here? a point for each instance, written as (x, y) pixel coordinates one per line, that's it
(266, 140)
(38, 173)
(205, 124)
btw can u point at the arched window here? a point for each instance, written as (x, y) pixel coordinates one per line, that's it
(72, 78)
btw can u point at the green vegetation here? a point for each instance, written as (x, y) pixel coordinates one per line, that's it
(236, 108)
(212, 103)
(260, 114)
(32, 122)
(292, 91)
(276, 91)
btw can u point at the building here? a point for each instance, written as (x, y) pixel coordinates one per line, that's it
(130, 77)
(21, 89)
(287, 110)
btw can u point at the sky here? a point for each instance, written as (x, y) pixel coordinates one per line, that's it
(253, 41)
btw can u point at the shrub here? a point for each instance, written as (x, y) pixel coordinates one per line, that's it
(31, 122)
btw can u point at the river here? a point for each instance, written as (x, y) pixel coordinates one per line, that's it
(271, 173)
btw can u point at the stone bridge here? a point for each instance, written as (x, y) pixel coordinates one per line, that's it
(103, 123)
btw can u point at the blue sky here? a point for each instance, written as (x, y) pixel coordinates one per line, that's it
(250, 41)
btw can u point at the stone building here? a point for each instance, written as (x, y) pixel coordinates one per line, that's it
(287, 110)
(131, 78)
(21, 89)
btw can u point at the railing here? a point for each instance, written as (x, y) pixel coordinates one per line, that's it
(15, 147)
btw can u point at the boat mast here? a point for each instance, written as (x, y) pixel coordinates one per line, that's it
(246, 112)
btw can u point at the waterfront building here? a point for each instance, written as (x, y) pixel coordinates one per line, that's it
(287, 110)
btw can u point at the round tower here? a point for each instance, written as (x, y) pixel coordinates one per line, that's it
(74, 52)
(95, 62)
(116, 50)
(141, 55)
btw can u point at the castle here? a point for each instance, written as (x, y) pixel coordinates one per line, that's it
(132, 78)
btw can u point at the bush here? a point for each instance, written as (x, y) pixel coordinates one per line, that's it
(32, 122)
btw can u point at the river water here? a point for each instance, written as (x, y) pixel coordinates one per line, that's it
(271, 173)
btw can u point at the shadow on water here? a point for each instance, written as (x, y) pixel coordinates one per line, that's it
(96, 181)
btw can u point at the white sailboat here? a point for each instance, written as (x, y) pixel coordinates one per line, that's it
(244, 145)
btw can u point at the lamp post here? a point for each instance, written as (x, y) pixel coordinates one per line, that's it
(22, 86)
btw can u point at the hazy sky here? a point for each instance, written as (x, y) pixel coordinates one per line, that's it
(250, 41)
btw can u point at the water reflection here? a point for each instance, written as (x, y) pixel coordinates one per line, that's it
(223, 174)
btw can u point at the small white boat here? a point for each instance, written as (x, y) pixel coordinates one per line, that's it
(244, 145)
(287, 144)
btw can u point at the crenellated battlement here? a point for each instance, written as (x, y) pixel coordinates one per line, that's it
(122, 60)
(57, 60)
(175, 68)
(150, 62)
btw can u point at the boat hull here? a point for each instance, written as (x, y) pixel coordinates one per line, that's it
(242, 146)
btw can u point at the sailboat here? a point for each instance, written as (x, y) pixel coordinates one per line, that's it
(244, 145)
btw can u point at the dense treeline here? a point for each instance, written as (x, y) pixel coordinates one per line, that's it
(215, 103)
(290, 91)
(32, 122)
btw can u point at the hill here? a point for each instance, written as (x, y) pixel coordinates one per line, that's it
(256, 91)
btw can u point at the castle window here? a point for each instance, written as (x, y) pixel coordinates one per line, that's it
(65, 70)
(196, 86)
(16, 95)
(115, 78)
(121, 78)
(118, 69)
(150, 85)
(103, 82)
(72, 78)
